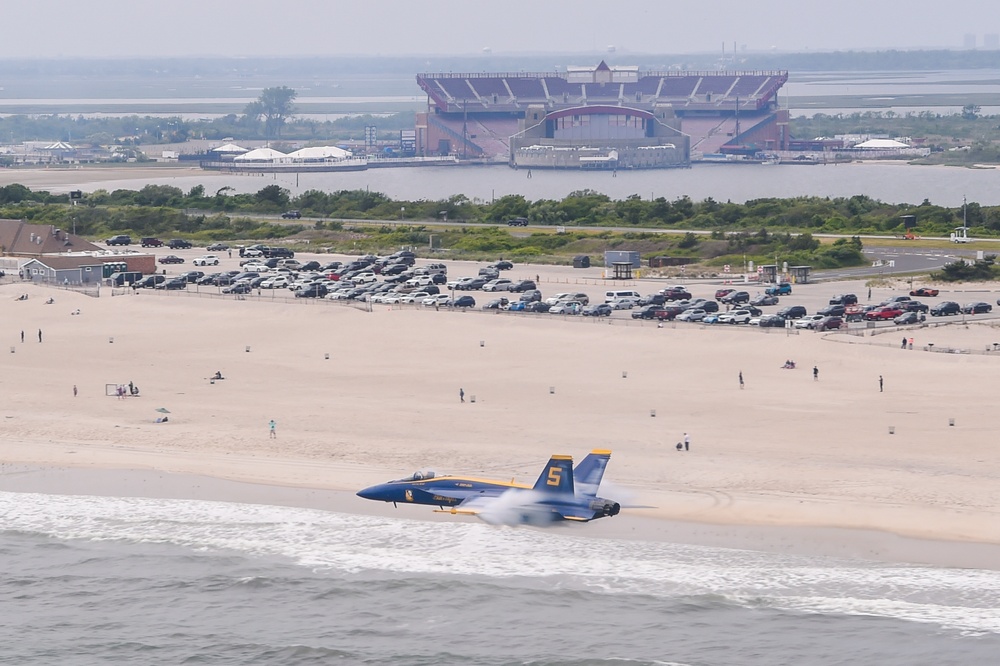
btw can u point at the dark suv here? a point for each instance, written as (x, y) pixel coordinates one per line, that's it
(792, 312)
(120, 239)
(946, 308)
(151, 242)
(178, 244)
(518, 222)
(291, 215)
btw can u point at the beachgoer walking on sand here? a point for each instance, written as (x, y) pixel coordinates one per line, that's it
(39, 335)
(815, 374)
(272, 425)
(74, 390)
(461, 395)
(22, 336)
(687, 442)
(903, 346)
(880, 383)
(741, 379)
(911, 343)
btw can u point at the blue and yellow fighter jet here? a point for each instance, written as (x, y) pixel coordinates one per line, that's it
(561, 493)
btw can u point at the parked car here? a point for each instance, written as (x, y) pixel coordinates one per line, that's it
(239, 288)
(712, 318)
(537, 306)
(150, 281)
(771, 321)
(217, 247)
(844, 299)
(523, 285)
(206, 260)
(498, 284)
(471, 284)
(171, 259)
(696, 314)
(150, 242)
(275, 282)
(978, 307)
(740, 316)
(779, 289)
(808, 321)
(722, 293)
(291, 215)
(925, 291)
(600, 310)
(497, 304)
(624, 303)
(907, 318)
(120, 239)
(883, 313)
(173, 283)
(764, 299)
(652, 299)
(946, 308)
(517, 222)
(312, 291)
(178, 244)
(914, 306)
(710, 306)
(530, 296)
(676, 294)
(192, 276)
(736, 297)
(567, 307)
(464, 302)
(828, 323)
(648, 312)
(792, 312)
(503, 265)
(833, 311)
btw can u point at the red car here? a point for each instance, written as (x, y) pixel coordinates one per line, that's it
(924, 291)
(723, 292)
(887, 312)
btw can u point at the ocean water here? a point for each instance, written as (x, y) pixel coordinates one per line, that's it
(98, 580)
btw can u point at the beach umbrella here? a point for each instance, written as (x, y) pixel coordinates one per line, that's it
(163, 410)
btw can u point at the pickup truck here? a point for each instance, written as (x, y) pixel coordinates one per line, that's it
(779, 289)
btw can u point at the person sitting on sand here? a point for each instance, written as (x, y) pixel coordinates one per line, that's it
(218, 375)
(161, 419)
(50, 301)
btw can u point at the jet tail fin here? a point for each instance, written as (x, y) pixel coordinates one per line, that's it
(557, 477)
(588, 474)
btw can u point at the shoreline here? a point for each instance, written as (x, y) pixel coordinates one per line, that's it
(800, 540)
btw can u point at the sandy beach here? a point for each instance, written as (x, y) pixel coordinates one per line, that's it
(786, 452)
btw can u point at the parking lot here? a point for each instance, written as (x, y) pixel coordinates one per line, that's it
(588, 287)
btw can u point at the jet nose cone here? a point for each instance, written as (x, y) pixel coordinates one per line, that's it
(367, 493)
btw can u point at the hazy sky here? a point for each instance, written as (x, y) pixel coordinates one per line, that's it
(96, 28)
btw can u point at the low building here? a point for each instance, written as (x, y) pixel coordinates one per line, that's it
(20, 239)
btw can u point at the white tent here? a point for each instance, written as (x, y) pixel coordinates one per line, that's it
(881, 144)
(229, 148)
(261, 155)
(320, 153)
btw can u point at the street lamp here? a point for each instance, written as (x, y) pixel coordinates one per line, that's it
(402, 211)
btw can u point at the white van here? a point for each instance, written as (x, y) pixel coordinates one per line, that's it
(618, 294)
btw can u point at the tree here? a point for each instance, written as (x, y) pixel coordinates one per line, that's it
(971, 111)
(275, 106)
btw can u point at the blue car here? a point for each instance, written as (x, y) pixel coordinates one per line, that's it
(779, 289)
(711, 319)
(516, 306)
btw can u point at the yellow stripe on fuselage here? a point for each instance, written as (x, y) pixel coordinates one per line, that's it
(465, 479)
